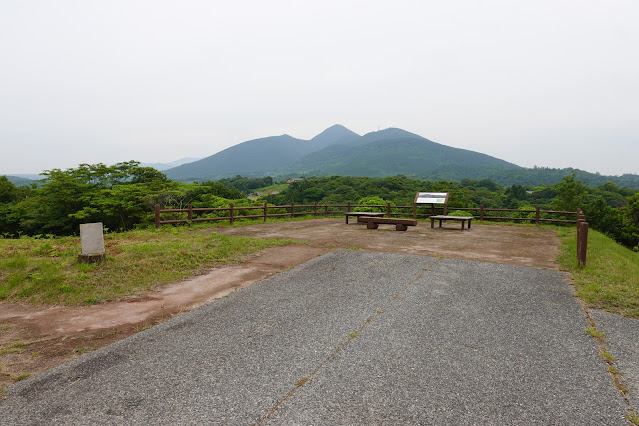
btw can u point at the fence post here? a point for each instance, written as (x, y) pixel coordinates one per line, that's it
(265, 209)
(190, 216)
(315, 209)
(481, 213)
(582, 248)
(414, 211)
(231, 213)
(580, 218)
(348, 207)
(292, 210)
(537, 215)
(157, 216)
(325, 209)
(388, 209)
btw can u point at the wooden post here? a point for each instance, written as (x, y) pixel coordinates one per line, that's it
(481, 213)
(292, 210)
(388, 209)
(582, 247)
(537, 215)
(190, 214)
(315, 209)
(157, 216)
(348, 207)
(231, 213)
(265, 210)
(580, 218)
(414, 211)
(325, 209)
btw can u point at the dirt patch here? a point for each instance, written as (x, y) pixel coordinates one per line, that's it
(36, 338)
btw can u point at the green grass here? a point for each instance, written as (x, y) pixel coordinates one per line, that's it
(610, 279)
(47, 271)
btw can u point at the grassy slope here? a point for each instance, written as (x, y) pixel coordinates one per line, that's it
(610, 280)
(47, 270)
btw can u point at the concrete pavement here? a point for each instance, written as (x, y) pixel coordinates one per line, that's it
(351, 337)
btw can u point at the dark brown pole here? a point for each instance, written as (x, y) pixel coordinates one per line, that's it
(315, 209)
(481, 213)
(348, 207)
(325, 209)
(537, 215)
(265, 210)
(190, 216)
(583, 244)
(231, 213)
(157, 216)
(388, 209)
(414, 211)
(292, 210)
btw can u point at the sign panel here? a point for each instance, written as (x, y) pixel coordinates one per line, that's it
(431, 198)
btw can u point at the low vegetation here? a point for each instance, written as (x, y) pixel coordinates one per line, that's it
(46, 270)
(610, 279)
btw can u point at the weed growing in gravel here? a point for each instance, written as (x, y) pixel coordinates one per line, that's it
(21, 377)
(633, 418)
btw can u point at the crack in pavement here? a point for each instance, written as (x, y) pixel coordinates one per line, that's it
(345, 343)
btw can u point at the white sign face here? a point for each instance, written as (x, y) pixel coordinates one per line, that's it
(431, 197)
(92, 238)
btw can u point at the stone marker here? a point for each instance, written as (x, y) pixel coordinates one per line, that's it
(92, 238)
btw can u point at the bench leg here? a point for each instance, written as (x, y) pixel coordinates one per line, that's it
(463, 222)
(400, 227)
(469, 223)
(432, 223)
(371, 225)
(440, 223)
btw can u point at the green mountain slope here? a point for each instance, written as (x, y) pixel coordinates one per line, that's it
(387, 153)
(257, 157)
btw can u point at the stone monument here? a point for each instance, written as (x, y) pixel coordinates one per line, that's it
(92, 238)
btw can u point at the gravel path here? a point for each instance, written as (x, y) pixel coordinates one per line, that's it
(351, 337)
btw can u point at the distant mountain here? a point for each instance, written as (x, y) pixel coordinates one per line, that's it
(258, 157)
(166, 166)
(339, 151)
(389, 152)
(23, 179)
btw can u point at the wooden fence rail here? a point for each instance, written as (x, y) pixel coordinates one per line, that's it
(326, 210)
(337, 209)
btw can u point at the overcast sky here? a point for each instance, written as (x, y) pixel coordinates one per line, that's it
(548, 82)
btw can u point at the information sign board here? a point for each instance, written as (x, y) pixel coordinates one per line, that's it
(431, 198)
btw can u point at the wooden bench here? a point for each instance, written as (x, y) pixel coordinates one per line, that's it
(400, 224)
(442, 217)
(362, 214)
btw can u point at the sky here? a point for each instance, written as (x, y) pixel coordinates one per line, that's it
(549, 83)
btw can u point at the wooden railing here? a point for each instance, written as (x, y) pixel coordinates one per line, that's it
(325, 210)
(414, 211)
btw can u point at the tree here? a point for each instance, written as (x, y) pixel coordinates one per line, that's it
(570, 193)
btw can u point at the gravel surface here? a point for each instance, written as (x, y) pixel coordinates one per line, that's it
(349, 337)
(622, 341)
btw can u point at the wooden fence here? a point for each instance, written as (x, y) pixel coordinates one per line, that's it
(416, 212)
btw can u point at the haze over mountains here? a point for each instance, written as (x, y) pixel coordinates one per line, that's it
(340, 151)
(335, 151)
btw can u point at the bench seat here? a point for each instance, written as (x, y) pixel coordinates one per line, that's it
(441, 218)
(400, 224)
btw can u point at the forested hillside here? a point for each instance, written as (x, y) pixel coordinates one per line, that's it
(123, 197)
